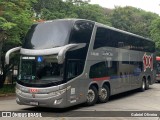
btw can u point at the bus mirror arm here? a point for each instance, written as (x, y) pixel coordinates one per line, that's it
(62, 52)
(7, 56)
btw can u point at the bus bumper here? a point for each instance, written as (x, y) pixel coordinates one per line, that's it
(54, 99)
(52, 102)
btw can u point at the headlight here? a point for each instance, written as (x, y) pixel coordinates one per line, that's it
(58, 93)
(18, 91)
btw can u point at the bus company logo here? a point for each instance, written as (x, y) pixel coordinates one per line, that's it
(33, 90)
(107, 53)
(148, 62)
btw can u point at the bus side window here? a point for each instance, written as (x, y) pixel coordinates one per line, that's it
(98, 70)
(74, 69)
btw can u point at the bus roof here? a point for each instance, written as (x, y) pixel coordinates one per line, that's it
(101, 25)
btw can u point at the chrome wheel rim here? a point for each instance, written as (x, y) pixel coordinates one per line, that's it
(90, 96)
(103, 94)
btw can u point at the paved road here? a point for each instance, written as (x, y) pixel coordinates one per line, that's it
(130, 101)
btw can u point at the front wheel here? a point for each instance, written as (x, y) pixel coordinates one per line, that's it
(104, 94)
(92, 96)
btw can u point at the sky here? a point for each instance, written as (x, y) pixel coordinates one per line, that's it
(147, 5)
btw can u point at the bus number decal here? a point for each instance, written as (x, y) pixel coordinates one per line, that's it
(148, 62)
(33, 90)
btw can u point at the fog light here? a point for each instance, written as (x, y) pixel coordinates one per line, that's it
(56, 102)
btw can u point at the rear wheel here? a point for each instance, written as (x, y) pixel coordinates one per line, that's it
(147, 84)
(143, 85)
(92, 96)
(104, 94)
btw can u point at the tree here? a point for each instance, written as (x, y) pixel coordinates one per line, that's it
(155, 33)
(132, 20)
(14, 22)
(92, 12)
(59, 9)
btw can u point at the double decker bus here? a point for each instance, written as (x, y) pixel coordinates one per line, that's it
(71, 61)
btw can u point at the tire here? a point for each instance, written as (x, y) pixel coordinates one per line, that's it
(143, 85)
(147, 85)
(104, 95)
(92, 96)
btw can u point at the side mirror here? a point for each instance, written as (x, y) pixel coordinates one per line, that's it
(7, 56)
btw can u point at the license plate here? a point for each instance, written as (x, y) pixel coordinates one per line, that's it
(34, 103)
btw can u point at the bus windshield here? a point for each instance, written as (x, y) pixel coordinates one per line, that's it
(40, 70)
(48, 35)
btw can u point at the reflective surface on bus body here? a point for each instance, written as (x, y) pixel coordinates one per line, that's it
(41, 71)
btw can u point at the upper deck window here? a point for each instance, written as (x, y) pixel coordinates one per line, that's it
(81, 32)
(110, 38)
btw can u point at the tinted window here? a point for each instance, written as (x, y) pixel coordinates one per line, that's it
(81, 32)
(103, 69)
(74, 68)
(40, 71)
(48, 35)
(107, 37)
(131, 67)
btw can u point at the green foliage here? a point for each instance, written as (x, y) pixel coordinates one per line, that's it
(4, 25)
(92, 12)
(155, 31)
(132, 20)
(16, 17)
(58, 9)
(7, 89)
(53, 9)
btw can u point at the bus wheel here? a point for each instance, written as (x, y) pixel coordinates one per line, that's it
(147, 84)
(143, 85)
(104, 94)
(92, 96)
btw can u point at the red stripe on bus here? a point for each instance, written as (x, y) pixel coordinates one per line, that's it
(102, 78)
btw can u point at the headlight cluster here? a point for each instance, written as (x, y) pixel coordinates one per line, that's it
(58, 93)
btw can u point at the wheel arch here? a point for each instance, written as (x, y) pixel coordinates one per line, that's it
(95, 85)
(149, 79)
(107, 84)
(144, 78)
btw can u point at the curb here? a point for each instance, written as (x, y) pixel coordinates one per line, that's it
(7, 95)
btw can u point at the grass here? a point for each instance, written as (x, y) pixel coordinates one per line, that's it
(7, 89)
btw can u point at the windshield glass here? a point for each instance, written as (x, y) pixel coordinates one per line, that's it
(48, 35)
(40, 70)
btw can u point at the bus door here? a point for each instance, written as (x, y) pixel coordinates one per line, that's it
(74, 69)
